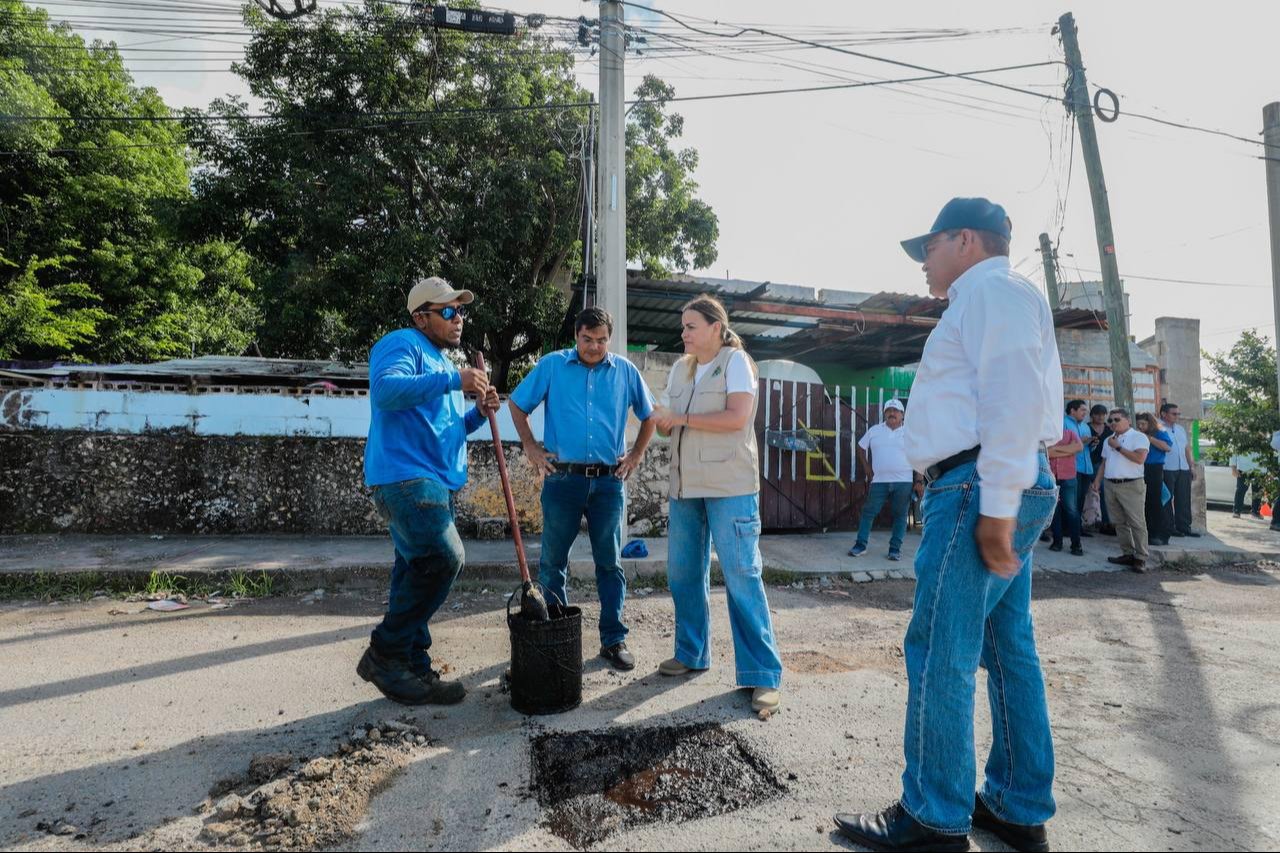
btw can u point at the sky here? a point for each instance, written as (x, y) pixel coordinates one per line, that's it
(818, 188)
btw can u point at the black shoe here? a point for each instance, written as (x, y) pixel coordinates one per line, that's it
(1191, 533)
(393, 677)
(1177, 534)
(893, 829)
(1138, 566)
(1157, 541)
(618, 655)
(1056, 546)
(1077, 551)
(1019, 837)
(1045, 537)
(1107, 529)
(1122, 560)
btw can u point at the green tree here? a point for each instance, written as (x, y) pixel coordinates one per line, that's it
(384, 151)
(92, 264)
(667, 225)
(1247, 411)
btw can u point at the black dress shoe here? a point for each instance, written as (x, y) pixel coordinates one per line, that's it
(618, 655)
(1017, 836)
(1077, 551)
(1191, 533)
(1122, 560)
(400, 684)
(1056, 546)
(893, 830)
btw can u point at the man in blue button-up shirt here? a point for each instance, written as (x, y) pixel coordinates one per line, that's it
(588, 392)
(414, 462)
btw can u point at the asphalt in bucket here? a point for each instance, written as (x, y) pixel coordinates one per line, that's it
(597, 783)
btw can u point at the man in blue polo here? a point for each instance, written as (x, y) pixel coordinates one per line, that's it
(587, 391)
(415, 461)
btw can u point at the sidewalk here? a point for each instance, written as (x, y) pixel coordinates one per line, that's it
(333, 558)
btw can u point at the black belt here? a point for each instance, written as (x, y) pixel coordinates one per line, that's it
(933, 472)
(1129, 480)
(591, 471)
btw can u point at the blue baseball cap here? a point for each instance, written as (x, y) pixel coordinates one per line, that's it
(976, 213)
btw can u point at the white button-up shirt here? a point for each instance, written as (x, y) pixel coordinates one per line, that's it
(991, 376)
(1176, 458)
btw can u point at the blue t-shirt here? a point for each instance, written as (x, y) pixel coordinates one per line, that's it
(1084, 463)
(416, 427)
(586, 416)
(1156, 456)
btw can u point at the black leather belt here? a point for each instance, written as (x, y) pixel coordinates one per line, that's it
(1129, 480)
(590, 471)
(933, 472)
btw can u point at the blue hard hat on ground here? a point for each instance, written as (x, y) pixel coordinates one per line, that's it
(976, 213)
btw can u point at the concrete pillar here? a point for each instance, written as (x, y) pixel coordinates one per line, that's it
(1176, 348)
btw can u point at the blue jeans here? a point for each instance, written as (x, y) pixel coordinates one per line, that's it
(565, 499)
(964, 617)
(1066, 518)
(429, 556)
(899, 497)
(734, 524)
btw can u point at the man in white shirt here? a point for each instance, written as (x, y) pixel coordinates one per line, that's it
(890, 476)
(984, 403)
(1123, 456)
(1179, 471)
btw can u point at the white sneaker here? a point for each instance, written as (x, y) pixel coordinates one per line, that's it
(766, 699)
(673, 667)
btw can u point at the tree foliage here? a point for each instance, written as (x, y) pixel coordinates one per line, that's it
(1247, 412)
(92, 262)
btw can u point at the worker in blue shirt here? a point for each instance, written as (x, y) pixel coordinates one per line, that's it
(415, 461)
(588, 392)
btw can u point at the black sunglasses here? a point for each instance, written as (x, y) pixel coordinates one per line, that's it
(446, 313)
(1115, 420)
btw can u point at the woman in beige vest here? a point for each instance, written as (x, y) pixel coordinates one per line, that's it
(715, 486)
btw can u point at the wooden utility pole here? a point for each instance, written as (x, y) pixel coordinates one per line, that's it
(1050, 272)
(1271, 136)
(1113, 295)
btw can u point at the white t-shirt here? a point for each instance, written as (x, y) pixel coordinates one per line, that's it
(888, 454)
(738, 378)
(1118, 467)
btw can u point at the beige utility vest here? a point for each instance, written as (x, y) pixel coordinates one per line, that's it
(708, 464)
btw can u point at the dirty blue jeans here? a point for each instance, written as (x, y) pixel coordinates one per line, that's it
(429, 556)
(566, 498)
(899, 497)
(734, 524)
(965, 616)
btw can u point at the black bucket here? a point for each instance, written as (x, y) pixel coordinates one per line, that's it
(546, 660)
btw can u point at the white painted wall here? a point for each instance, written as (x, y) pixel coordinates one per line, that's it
(135, 412)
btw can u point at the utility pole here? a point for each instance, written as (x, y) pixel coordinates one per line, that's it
(1271, 136)
(611, 272)
(1113, 296)
(589, 212)
(1050, 272)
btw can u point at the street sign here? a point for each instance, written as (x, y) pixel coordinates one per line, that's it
(474, 20)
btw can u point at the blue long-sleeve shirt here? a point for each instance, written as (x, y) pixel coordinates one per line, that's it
(417, 427)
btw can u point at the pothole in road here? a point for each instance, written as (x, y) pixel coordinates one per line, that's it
(594, 784)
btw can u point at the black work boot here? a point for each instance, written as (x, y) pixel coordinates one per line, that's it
(893, 829)
(1018, 836)
(399, 683)
(619, 656)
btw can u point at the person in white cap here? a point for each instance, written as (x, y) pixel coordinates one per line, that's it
(890, 477)
(415, 461)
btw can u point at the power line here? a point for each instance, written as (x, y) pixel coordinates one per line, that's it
(1153, 278)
